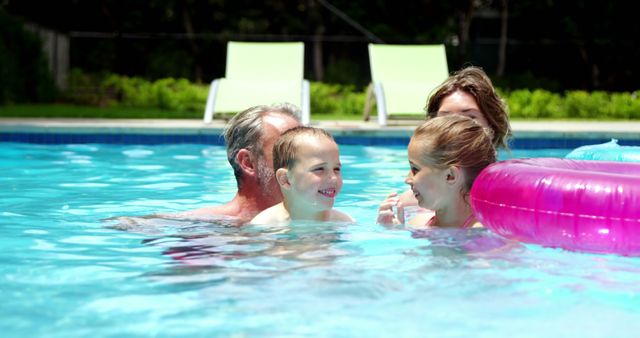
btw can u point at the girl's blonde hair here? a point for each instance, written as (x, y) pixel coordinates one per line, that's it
(456, 141)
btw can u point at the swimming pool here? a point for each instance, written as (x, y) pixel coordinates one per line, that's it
(66, 273)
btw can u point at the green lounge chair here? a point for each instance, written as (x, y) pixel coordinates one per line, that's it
(259, 73)
(403, 76)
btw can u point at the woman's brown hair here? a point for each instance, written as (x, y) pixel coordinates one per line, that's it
(475, 82)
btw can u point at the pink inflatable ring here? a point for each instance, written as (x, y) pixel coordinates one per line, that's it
(590, 206)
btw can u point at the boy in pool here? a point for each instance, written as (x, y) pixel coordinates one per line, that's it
(307, 168)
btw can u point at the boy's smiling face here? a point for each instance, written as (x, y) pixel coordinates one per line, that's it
(315, 177)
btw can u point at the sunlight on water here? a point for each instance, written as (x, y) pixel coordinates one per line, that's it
(86, 251)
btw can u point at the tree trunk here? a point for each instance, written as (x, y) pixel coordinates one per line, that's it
(464, 25)
(318, 65)
(594, 70)
(318, 32)
(195, 50)
(502, 52)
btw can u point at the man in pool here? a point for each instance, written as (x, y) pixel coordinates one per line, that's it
(249, 137)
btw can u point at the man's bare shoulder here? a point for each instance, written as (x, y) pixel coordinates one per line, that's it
(169, 223)
(157, 223)
(217, 210)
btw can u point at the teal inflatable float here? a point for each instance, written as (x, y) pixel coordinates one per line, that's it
(609, 151)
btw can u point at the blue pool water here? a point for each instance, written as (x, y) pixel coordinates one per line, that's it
(66, 272)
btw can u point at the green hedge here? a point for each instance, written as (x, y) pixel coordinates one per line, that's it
(335, 99)
(181, 95)
(339, 100)
(577, 104)
(134, 92)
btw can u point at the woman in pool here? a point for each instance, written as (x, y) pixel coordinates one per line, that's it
(468, 92)
(446, 154)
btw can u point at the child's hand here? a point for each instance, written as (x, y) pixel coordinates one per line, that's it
(386, 216)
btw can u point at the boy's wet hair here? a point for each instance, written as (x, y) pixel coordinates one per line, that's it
(285, 151)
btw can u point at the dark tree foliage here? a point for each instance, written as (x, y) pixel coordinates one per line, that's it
(582, 44)
(24, 74)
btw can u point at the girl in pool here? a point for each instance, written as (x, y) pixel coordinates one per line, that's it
(307, 164)
(446, 154)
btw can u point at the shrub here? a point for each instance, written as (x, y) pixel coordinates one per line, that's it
(179, 94)
(135, 92)
(517, 100)
(336, 99)
(537, 104)
(625, 106)
(83, 89)
(129, 91)
(574, 104)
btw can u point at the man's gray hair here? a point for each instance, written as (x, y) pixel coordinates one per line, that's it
(245, 131)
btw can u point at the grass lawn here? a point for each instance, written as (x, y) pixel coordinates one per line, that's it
(74, 111)
(71, 111)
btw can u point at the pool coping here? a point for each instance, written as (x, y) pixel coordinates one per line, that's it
(521, 129)
(526, 134)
